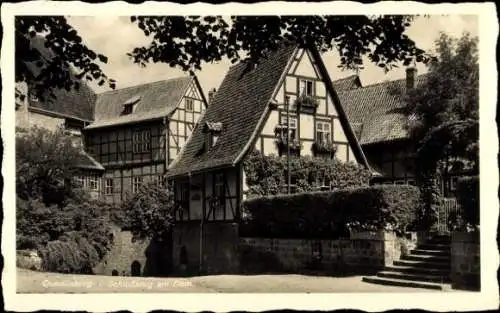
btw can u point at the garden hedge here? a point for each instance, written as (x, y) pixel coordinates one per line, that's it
(331, 214)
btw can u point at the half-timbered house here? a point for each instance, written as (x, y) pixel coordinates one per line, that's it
(139, 130)
(378, 116)
(284, 103)
(379, 119)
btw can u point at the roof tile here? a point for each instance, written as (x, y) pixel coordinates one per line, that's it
(377, 112)
(239, 104)
(152, 100)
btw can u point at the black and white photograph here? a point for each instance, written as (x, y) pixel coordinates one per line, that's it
(162, 150)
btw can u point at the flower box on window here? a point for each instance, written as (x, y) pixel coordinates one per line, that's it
(306, 104)
(282, 142)
(324, 147)
(280, 129)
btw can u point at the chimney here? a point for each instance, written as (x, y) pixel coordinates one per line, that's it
(211, 94)
(411, 77)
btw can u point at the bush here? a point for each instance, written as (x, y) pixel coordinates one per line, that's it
(72, 254)
(150, 212)
(44, 227)
(468, 198)
(331, 214)
(267, 175)
(53, 214)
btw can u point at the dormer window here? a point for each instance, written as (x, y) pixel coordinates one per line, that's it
(212, 131)
(130, 104)
(214, 139)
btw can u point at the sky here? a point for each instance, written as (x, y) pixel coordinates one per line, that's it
(114, 36)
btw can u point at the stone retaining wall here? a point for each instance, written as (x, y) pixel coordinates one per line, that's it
(134, 258)
(465, 261)
(362, 252)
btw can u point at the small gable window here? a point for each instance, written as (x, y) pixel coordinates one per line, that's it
(306, 87)
(130, 104)
(189, 105)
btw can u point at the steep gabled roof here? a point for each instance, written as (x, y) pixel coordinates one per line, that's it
(347, 83)
(242, 104)
(74, 103)
(150, 101)
(378, 110)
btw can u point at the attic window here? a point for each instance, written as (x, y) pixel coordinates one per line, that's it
(129, 105)
(213, 127)
(212, 131)
(306, 87)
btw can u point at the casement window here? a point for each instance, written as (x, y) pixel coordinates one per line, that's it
(160, 180)
(189, 103)
(292, 127)
(136, 183)
(108, 186)
(80, 181)
(219, 189)
(323, 133)
(93, 182)
(306, 87)
(142, 141)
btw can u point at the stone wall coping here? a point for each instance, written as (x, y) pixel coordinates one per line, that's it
(30, 253)
(373, 235)
(472, 237)
(364, 235)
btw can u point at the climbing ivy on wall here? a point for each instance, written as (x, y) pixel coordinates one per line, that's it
(267, 175)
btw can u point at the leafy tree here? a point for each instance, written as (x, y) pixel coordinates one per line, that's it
(60, 60)
(45, 166)
(445, 108)
(444, 115)
(187, 41)
(150, 212)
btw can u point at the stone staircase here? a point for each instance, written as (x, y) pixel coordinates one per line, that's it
(427, 266)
